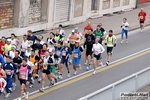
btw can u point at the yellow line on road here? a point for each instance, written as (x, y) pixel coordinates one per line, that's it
(86, 75)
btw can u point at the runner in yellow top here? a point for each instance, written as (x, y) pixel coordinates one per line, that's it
(110, 42)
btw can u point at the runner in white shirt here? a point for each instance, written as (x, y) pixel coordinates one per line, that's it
(97, 49)
(51, 41)
(11, 53)
(13, 40)
(24, 45)
(27, 52)
(124, 26)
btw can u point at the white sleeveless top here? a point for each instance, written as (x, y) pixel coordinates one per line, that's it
(13, 42)
(24, 44)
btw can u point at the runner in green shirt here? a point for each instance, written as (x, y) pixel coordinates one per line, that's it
(110, 42)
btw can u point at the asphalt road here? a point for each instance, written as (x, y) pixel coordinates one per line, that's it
(137, 42)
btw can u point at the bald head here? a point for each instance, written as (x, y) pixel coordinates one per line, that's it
(142, 9)
(89, 23)
(65, 43)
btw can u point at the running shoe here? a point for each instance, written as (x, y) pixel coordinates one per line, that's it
(20, 98)
(122, 41)
(68, 74)
(27, 95)
(14, 87)
(60, 77)
(101, 64)
(31, 86)
(10, 89)
(39, 80)
(126, 41)
(41, 90)
(75, 73)
(32, 80)
(8, 94)
(5, 98)
(94, 72)
(107, 63)
(51, 84)
(85, 63)
(56, 80)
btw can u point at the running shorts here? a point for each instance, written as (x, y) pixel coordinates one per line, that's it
(64, 61)
(98, 57)
(109, 49)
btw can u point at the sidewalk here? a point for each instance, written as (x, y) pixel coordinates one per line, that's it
(111, 21)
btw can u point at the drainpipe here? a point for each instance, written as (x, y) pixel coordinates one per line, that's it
(136, 4)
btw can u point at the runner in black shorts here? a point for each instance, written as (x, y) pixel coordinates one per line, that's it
(47, 62)
(88, 46)
(23, 77)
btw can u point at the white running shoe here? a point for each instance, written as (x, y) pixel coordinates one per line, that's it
(19, 98)
(39, 80)
(14, 87)
(94, 72)
(68, 74)
(27, 95)
(85, 63)
(31, 86)
(60, 77)
(122, 41)
(8, 94)
(75, 73)
(41, 90)
(126, 41)
(141, 30)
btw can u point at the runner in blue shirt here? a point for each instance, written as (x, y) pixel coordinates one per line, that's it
(65, 56)
(76, 56)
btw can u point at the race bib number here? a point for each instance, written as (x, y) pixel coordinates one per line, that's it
(123, 24)
(72, 42)
(96, 52)
(22, 76)
(141, 17)
(8, 72)
(44, 66)
(30, 42)
(76, 55)
(64, 53)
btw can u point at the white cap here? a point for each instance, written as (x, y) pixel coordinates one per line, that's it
(13, 46)
(50, 50)
(9, 40)
(28, 46)
(78, 41)
(73, 31)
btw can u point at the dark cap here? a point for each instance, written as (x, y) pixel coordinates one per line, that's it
(110, 31)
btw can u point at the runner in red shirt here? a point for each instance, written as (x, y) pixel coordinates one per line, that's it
(2, 43)
(88, 27)
(142, 18)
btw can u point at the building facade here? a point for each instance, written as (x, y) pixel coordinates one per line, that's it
(18, 16)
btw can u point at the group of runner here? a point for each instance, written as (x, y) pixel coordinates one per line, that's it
(36, 59)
